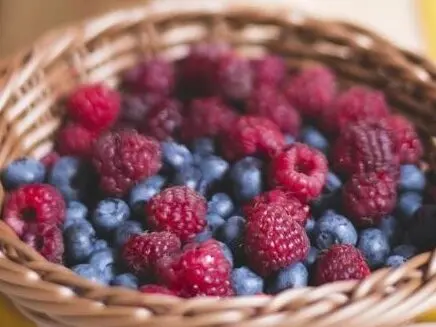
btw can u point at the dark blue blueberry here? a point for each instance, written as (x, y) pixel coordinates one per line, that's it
(407, 204)
(79, 242)
(374, 246)
(144, 191)
(246, 178)
(23, 171)
(310, 227)
(405, 250)
(333, 228)
(313, 137)
(109, 214)
(214, 221)
(72, 177)
(76, 212)
(311, 257)
(203, 147)
(192, 177)
(221, 204)
(213, 168)
(231, 233)
(126, 280)
(423, 230)
(390, 226)
(175, 156)
(289, 139)
(100, 245)
(292, 276)
(125, 230)
(246, 282)
(203, 236)
(227, 253)
(104, 261)
(395, 261)
(89, 272)
(411, 179)
(332, 183)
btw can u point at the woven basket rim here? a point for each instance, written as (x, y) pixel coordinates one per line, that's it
(21, 265)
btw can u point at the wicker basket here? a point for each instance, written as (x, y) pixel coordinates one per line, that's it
(32, 82)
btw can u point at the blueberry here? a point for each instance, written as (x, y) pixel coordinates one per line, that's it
(79, 242)
(289, 139)
(175, 156)
(214, 221)
(423, 230)
(109, 214)
(395, 261)
(332, 183)
(126, 280)
(246, 178)
(313, 137)
(100, 245)
(227, 253)
(203, 236)
(221, 204)
(374, 246)
(292, 276)
(203, 147)
(231, 233)
(125, 230)
(408, 203)
(310, 227)
(104, 261)
(246, 282)
(76, 212)
(391, 228)
(333, 228)
(192, 177)
(23, 171)
(72, 177)
(405, 250)
(144, 191)
(213, 168)
(311, 257)
(411, 179)
(89, 272)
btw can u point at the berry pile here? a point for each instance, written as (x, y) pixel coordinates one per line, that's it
(219, 175)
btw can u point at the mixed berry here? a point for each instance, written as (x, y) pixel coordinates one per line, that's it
(219, 175)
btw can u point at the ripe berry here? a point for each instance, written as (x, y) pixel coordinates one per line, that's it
(126, 280)
(246, 282)
(221, 204)
(179, 210)
(75, 140)
(367, 198)
(395, 261)
(126, 230)
(47, 240)
(268, 70)
(246, 178)
(104, 261)
(124, 158)
(273, 241)
(134, 107)
(231, 234)
(341, 262)
(76, 212)
(175, 156)
(89, 272)
(23, 171)
(234, 77)
(109, 214)
(95, 107)
(411, 179)
(407, 205)
(300, 170)
(292, 276)
(50, 159)
(251, 135)
(374, 246)
(79, 242)
(314, 138)
(141, 252)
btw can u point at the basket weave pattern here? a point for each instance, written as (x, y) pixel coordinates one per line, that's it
(32, 83)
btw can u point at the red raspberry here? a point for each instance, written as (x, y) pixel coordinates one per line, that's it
(251, 135)
(366, 146)
(201, 270)
(291, 205)
(301, 170)
(33, 204)
(341, 262)
(47, 240)
(50, 159)
(96, 107)
(369, 197)
(151, 76)
(311, 91)
(207, 117)
(273, 240)
(356, 104)
(269, 70)
(163, 120)
(124, 158)
(156, 289)
(234, 77)
(75, 140)
(141, 252)
(406, 140)
(268, 102)
(179, 210)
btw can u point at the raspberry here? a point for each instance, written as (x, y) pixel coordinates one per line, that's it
(75, 140)
(141, 252)
(50, 159)
(179, 210)
(200, 270)
(156, 289)
(152, 76)
(368, 197)
(356, 104)
(273, 240)
(293, 207)
(268, 102)
(124, 158)
(33, 204)
(366, 146)
(406, 140)
(301, 170)
(234, 77)
(207, 117)
(341, 262)
(269, 70)
(163, 120)
(311, 91)
(251, 135)
(47, 240)
(134, 107)
(96, 107)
